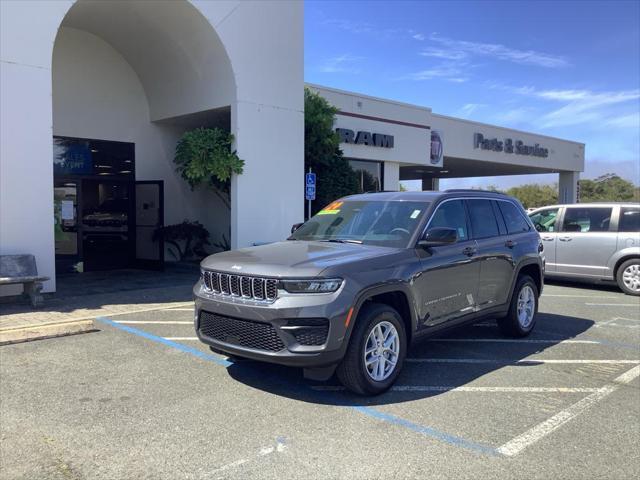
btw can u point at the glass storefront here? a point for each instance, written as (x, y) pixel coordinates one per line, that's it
(369, 175)
(93, 203)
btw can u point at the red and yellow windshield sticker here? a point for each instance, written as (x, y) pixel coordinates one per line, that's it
(331, 209)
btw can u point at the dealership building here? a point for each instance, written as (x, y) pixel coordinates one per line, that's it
(95, 95)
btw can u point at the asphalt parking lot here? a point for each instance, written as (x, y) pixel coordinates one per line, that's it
(141, 398)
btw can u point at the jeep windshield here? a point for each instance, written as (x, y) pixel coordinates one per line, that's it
(383, 223)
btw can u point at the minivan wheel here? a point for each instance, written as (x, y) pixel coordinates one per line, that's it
(628, 276)
(521, 317)
(376, 351)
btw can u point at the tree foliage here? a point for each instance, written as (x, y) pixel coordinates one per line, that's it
(533, 195)
(606, 188)
(335, 177)
(205, 155)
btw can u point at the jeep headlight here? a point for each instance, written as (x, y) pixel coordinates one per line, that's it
(325, 285)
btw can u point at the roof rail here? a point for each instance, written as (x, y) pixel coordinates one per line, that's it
(472, 190)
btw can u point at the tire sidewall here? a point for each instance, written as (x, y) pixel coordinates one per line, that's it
(513, 311)
(621, 269)
(378, 315)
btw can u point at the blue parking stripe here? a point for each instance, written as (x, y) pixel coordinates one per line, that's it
(427, 431)
(368, 411)
(178, 346)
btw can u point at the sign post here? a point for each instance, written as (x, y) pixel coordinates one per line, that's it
(309, 190)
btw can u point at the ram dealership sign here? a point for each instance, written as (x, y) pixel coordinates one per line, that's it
(365, 138)
(509, 146)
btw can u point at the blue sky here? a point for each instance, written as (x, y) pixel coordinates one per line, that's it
(566, 69)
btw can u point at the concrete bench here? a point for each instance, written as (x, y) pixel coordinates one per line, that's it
(21, 269)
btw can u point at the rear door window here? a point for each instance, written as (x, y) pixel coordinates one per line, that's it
(586, 219)
(513, 218)
(629, 219)
(483, 220)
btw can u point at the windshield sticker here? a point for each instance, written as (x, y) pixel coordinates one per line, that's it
(331, 209)
(415, 214)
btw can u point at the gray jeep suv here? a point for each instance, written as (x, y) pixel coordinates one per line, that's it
(370, 274)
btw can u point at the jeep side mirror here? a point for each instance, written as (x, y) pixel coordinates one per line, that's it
(439, 236)
(296, 226)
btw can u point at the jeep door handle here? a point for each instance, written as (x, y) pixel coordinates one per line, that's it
(510, 243)
(469, 251)
(547, 239)
(565, 239)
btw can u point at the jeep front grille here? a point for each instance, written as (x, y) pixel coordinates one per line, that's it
(255, 288)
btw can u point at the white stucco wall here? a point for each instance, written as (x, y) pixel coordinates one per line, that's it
(263, 41)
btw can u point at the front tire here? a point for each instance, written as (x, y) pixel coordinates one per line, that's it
(521, 317)
(628, 277)
(376, 351)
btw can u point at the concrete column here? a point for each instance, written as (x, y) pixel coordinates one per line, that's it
(430, 183)
(391, 176)
(267, 198)
(568, 187)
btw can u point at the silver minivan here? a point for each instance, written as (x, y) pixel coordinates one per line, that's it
(592, 241)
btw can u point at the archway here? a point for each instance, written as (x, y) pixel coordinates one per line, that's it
(128, 79)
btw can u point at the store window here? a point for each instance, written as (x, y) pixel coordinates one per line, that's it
(369, 175)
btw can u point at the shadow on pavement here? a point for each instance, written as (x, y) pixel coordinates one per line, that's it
(288, 382)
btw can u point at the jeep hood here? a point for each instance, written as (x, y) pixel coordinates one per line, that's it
(293, 258)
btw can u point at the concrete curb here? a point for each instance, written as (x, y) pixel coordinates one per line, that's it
(47, 330)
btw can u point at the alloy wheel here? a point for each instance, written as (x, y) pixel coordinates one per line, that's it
(526, 306)
(382, 350)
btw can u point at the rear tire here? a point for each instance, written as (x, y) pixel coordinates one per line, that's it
(628, 277)
(521, 317)
(371, 363)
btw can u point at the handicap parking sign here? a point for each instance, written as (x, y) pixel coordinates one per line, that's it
(310, 186)
(310, 192)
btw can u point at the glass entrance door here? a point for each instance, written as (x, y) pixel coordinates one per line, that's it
(107, 216)
(66, 226)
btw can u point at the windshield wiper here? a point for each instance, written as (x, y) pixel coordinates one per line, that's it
(342, 240)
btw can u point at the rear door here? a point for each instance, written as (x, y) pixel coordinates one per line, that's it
(546, 223)
(494, 253)
(585, 241)
(149, 218)
(448, 282)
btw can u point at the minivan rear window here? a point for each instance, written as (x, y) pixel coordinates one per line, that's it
(629, 219)
(586, 219)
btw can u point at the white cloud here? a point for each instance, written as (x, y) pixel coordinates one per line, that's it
(442, 53)
(449, 72)
(617, 108)
(468, 109)
(461, 48)
(625, 121)
(419, 36)
(345, 63)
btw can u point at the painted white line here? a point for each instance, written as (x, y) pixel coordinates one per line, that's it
(442, 388)
(280, 447)
(179, 309)
(544, 295)
(154, 322)
(515, 446)
(637, 305)
(514, 362)
(178, 339)
(512, 340)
